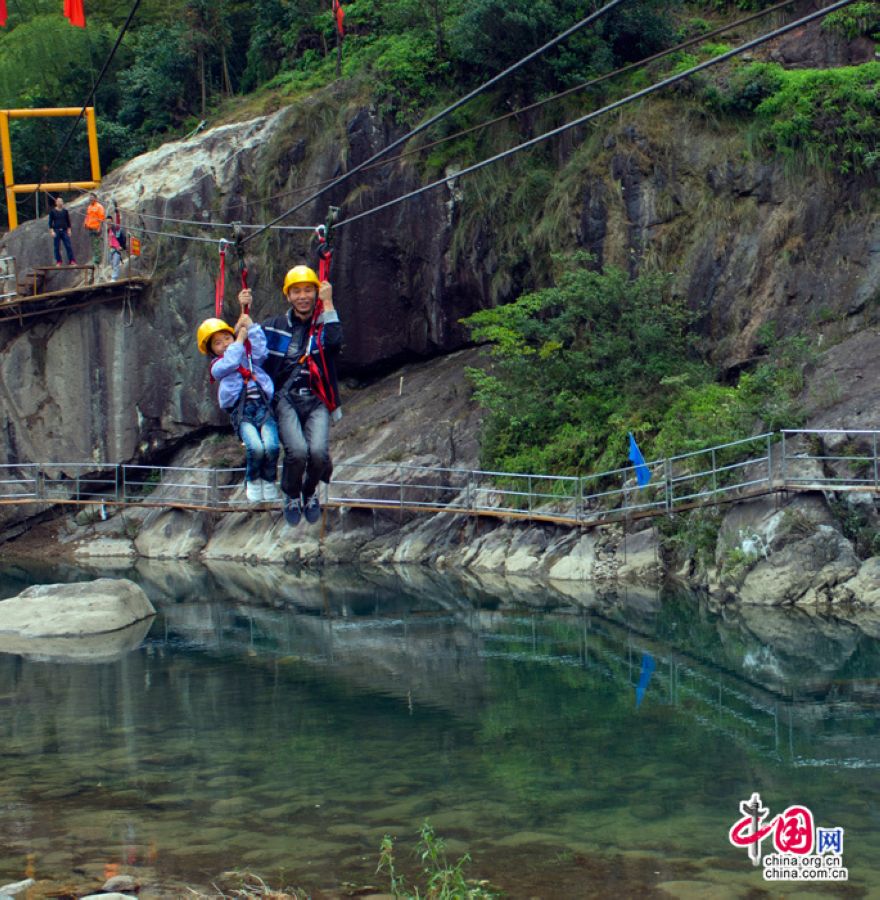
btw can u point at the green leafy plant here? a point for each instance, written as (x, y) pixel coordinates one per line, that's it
(443, 880)
(859, 526)
(693, 535)
(854, 20)
(578, 365)
(737, 561)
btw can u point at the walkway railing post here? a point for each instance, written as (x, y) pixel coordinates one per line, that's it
(215, 489)
(874, 443)
(530, 493)
(580, 513)
(467, 491)
(667, 483)
(400, 489)
(769, 460)
(116, 474)
(40, 485)
(714, 473)
(782, 469)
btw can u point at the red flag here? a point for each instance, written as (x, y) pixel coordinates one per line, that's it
(75, 12)
(3, 13)
(339, 14)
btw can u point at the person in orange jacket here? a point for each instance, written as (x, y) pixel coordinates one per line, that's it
(94, 223)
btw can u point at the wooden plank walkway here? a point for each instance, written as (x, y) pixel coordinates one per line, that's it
(72, 298)
(588, 520)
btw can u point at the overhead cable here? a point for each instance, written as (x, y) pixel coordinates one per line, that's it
(698, 39)
(674, 79)
(137, 229)
(212, 224)
(444, 112)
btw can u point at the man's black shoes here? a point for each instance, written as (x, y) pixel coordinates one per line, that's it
(292, 510)
(312, 510)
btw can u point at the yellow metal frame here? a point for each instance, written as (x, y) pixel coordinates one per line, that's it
(6, 150)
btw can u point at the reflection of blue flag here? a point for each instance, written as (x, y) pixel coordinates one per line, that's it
(648, 666)
(643, 473)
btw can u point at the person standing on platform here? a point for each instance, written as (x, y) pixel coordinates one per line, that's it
(94, 223)
(59, 226)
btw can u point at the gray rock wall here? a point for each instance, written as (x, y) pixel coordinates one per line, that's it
(748, 243)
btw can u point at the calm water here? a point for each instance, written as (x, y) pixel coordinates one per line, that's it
(575, 746)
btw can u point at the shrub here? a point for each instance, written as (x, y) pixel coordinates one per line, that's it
(854, 20)
(578, 365)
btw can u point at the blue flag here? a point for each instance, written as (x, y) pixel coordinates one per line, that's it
(643, 473)
(648, 666)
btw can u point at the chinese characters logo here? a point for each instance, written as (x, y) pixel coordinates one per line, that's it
(803, 851)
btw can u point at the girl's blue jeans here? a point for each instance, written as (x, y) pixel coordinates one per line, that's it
(259, 433)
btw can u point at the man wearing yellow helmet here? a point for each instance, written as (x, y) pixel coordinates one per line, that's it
(303, 344)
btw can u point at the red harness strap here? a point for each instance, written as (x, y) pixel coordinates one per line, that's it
(246, 374)
(220, 283)
(317, 383)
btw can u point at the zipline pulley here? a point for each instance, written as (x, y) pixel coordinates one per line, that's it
(324, 239)
(237, 236)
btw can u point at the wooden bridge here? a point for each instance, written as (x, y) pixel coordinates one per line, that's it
(770, 463)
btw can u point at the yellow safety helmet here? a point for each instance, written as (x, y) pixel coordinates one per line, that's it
(207, 330)
(300, 275)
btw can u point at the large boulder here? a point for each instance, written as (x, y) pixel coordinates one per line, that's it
(74, 610)
(805, 571)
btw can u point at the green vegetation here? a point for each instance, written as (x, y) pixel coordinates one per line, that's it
(827, 117)
(443, 880)
(578, 365)
(859, 524)
(182, 61)
(854, 20)
(693, 535)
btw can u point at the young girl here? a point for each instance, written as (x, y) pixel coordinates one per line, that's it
(245, 392)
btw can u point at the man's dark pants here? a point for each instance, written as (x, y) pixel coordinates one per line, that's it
(304, 428)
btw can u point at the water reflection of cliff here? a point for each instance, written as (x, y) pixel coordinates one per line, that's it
(772, 679)
(801, 687)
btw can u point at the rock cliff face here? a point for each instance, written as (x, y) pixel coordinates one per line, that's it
(750, 245)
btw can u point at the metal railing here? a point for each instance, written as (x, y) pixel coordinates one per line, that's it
(851, 462)
(805, 459)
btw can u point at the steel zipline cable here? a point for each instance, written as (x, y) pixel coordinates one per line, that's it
(545, 136)
(690, 42)
(674, 79)
(697, 39)
(442, 114)
(92, 92)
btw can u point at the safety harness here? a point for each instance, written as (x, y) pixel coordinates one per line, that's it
(324, 253)
(246, 372)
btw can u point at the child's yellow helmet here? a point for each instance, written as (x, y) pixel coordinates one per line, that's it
(207, 330)
(300, 275)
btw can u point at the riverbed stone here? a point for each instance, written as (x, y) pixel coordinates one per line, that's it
(638, 558)
(78, 609)
(120, 883)
(864, 587)
(15, 888)
(802, 572)
(172, 534)
(104, 547)
(577, 564)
